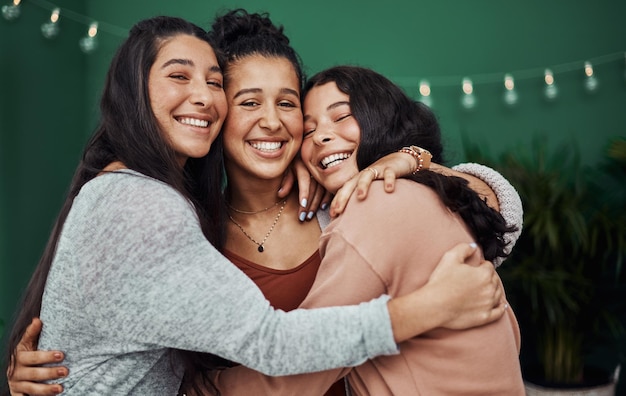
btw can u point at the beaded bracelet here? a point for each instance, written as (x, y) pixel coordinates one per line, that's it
(422, 156)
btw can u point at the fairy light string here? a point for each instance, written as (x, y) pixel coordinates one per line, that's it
(67, 13)
(427, 85)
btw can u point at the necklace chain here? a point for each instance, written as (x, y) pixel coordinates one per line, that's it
(253, 212)
(261, 244)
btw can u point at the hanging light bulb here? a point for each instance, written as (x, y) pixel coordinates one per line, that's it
(50, 29)
(468, 100)
(510, 94)
(550, 91)
(12, 11)
(89, 43)
(425, 93)
(591, 82)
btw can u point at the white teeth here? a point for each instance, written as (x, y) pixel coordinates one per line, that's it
(266, 146)
(334, 159)
(194, 122)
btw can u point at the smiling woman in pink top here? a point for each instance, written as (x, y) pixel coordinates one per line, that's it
(352, 117)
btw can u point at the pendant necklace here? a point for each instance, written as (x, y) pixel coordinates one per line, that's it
(261, 244)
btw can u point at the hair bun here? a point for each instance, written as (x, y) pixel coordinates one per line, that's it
(238, 25)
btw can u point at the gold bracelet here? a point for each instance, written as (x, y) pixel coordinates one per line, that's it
(422, 157)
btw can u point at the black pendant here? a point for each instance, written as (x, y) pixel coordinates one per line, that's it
(260, 249)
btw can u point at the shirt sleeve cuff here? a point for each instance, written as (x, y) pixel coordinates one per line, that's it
(377, 327)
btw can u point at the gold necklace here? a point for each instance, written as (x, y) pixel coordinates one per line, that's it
(261, 244)
(253, 212)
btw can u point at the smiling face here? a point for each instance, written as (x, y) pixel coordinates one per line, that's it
(263, 130)
(186, 95)
(331, 136)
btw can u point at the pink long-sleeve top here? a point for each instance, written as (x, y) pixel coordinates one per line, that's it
(390, 243)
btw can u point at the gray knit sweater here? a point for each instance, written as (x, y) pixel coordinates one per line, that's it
(509, 200)
(133, 277)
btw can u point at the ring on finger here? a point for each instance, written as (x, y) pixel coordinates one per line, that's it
(375, 171)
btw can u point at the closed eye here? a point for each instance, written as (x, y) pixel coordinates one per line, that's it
(343, 117)
(216, 84)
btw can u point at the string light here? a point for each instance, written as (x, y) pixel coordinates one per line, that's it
(12, 11)
(425, 93)
(50, 29)
(591, 82)
(550, 91)
(468, 99)
(89, 43)
(510, 94)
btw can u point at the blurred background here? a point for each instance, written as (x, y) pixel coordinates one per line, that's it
(499, 74)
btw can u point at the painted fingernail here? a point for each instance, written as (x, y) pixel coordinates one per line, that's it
(302, 216)
(324, 206)
(310, 215)
(473, 245)
(303, 202)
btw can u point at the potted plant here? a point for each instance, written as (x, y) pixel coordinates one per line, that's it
(565, 278)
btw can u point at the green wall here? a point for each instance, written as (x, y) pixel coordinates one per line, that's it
(42, 128)
(49, 89)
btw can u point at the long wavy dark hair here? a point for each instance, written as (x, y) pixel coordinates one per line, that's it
(390, 120)
(128, 132)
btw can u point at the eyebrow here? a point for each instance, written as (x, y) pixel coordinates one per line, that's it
(330, 107)
(189, 62)
(338, 104)
(287, 91)
(185, 62)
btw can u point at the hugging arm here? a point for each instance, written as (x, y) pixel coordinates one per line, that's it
(429, 311)
(456, 296)
(508, 200)
(27, 367)
(487, 182)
